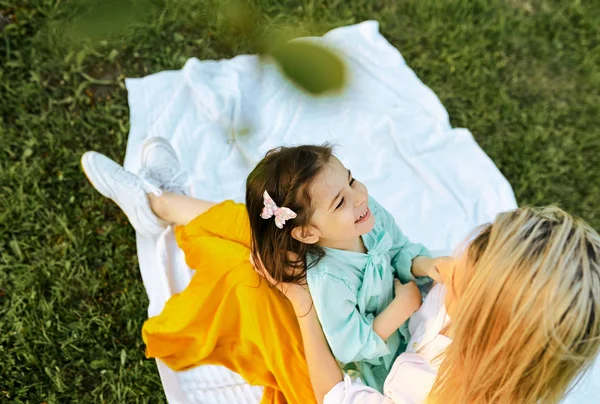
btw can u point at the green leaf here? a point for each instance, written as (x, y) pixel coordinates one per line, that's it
(110, 17)
(97, 364)
(14, 245)
(112, 56)
(239, 16)
(312, 67)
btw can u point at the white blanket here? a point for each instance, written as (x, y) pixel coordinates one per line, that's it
(392, 132)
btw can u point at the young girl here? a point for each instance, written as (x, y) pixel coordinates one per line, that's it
(303, 200)
(299, 200)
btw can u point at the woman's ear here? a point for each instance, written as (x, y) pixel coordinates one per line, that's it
(306, 235)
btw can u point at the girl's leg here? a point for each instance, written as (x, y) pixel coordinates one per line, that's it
(139, 199)
(178, 209)
(161, 165)
(140, 196)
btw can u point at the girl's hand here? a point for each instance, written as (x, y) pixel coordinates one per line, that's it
(404, 304)
(298, 295)
(408, 295)
(434, 268)
(425, 266)
(445, 268)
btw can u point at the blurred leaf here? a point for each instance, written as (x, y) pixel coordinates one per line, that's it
(239, 16)
(102, 18)
(312, 67)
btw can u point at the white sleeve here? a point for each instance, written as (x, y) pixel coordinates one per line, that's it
(353, 391)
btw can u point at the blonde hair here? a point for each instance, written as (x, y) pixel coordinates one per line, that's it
(527, 322)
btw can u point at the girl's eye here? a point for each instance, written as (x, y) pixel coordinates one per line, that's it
(341, 203)
(352, 181)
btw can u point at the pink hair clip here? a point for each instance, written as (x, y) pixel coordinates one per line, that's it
(271, 209)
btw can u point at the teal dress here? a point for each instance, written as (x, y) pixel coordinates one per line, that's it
(350, 289)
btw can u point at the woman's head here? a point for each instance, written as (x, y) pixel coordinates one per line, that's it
(526, 312)
(329, 206)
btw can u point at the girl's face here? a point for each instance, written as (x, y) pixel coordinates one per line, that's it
(341, 208)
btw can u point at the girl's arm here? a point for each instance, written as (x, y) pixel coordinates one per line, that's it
(425, 266)
(349, 332)
(326, 377)
(406, 302)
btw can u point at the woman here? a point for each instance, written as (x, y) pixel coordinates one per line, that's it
(524, 298)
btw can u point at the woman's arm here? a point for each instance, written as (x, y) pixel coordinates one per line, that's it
(323, 369)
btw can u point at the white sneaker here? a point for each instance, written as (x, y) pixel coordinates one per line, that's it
(126, 189)
(161, 167)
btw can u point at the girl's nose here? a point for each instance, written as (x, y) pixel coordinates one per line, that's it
(359, 198)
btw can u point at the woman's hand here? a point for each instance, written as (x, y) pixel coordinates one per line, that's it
(298, 295)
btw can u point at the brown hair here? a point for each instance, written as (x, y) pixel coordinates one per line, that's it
(527, 323)
(286, 174)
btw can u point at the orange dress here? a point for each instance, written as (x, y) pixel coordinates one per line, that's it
(227, 315)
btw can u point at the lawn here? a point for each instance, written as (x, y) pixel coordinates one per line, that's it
(523, 76)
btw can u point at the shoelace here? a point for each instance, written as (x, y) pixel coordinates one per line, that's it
(134, 181)
(150, 187)
(176, 179)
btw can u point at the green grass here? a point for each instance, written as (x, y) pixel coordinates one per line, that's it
(523, 76)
